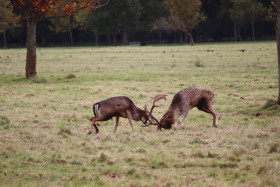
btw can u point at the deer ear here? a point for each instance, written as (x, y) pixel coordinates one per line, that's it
(145, 108)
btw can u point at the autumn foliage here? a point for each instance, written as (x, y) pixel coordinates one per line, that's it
(51, 8)
(7, 17)
(184, 15)
(188, 11)
(36, 10)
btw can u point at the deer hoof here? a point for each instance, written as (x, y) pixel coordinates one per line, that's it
(89, 132)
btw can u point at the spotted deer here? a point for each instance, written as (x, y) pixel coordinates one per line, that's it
(184, 101)
(122, 106)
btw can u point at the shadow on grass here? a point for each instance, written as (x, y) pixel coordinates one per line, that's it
(37, 80)
(271, 108)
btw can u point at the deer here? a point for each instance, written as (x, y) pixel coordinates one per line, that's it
(182, 102)
(124, 107)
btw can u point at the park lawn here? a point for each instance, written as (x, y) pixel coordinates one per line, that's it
(44, 121)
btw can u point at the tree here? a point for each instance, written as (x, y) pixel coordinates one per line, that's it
(185, 15)
(151, 12)
(8, 19)
(160, 25)
(218, 24)
(237, 15)
(121, 16)
(35, 10)
(246, 11)
(255, 11)
(274, 15)
(64, 25)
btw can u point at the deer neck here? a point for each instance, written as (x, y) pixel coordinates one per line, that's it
(168, 117)
(138, 114)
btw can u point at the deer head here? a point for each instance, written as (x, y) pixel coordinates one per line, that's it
(153, 120)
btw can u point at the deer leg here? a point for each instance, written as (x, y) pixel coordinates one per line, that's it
(91, 128)
(117, 123)
(209, 109)
(183, 117)
(215, 116)
(129, 116)
(93, 120)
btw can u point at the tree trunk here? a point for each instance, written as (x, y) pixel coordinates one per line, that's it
(235, 37)
(175, 37)
(109, 39)
(159, 37)
(30, 68)
(191, 39)
(253, 30)
(4, 39)
(71, 30)
(238, 32)
(96, 38)
(115, 39)
(71, 37)
(277, 29)
(125, 38)
(190, 36)
(181, 37)
(43, 41)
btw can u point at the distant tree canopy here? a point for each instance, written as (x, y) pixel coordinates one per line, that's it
(184, 15)
(122, 21)
(246, 11)
(8, 19)
(118, 17)
(67, 24)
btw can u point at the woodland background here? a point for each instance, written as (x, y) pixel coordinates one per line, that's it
(123, 21)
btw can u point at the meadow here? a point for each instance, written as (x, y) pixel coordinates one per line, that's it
(44, 121)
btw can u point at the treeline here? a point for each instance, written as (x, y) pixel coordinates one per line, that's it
(124, 21)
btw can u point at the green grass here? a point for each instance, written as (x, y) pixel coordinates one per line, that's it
(44, 121)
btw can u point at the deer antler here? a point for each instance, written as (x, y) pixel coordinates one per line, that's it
(155, 99)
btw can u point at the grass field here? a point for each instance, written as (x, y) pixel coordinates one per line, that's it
(43, 121)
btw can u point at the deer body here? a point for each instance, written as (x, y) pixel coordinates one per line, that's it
(117, 107)
(184, 101)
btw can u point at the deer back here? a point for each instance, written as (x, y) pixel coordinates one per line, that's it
(183, 101)
(191, 97)
(115, 106)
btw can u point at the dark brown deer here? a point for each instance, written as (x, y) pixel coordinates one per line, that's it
(121, 107)
(184, 101)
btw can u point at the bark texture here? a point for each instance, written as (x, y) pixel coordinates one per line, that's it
(190, 36)
(30, 68)
(4, 39)
(278, 51)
